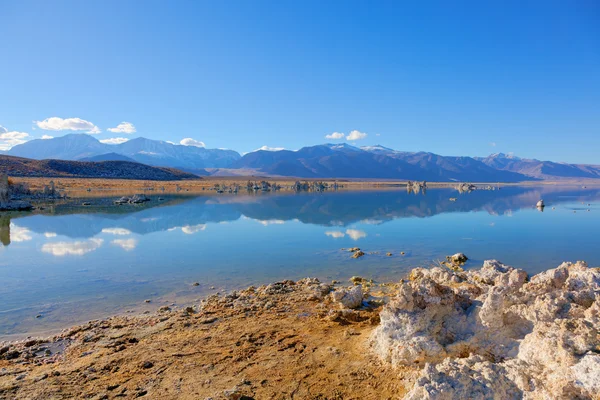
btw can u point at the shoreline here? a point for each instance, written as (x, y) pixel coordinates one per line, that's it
(101, 184)
(345, 340)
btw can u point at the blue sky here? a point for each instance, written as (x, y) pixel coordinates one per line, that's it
(455, 78)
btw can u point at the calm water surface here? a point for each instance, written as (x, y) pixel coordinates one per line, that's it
(71, 265)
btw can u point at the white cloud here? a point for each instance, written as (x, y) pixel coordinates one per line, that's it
(46, 137)
(356, 135)
(168, 141)
(335, 135)
(50, 234)
(335, 234)
(117, 231)
(267, 148)
(10, 139)
(268, 222)
(125, 244)
(192, 142)
(493, 144)
(191, 229)
(72, 248)
(116, 140)
(123, 127)
(372, 221)
(3, 129)
(18, 234)
(67, 124)
(355, 234)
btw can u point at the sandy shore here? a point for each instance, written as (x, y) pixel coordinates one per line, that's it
(279, 341)
(444, 333)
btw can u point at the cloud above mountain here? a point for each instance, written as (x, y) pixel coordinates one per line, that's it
(192, 142)
(67, 124)
(8, 139)
(353, 135)
(335, 135)
(47, 137)
(123, 127)
(356, 135)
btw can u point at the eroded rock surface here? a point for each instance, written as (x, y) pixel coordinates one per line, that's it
(493, 333)
(348, 297)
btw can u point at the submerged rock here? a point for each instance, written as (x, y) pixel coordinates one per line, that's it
(491, 333)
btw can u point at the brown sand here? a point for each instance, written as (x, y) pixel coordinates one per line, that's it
(283, 341)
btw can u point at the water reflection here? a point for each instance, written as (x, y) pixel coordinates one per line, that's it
(71, 264)
(334, 209)
(77, 248)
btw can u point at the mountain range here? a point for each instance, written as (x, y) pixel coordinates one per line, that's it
(320, 161)
(157, 153)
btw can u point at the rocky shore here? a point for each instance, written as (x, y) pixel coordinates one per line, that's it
(490, 333)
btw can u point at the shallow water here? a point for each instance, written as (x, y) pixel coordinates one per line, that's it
(69, 265)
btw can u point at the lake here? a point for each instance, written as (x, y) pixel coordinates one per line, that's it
(68, 264)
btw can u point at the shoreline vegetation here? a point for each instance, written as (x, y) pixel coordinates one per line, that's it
(490, 332)
(33, 193)
(101, 184)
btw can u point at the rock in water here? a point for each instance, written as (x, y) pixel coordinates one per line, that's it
(348, 298)
(458, 258)
(358, 254)
(490, 333)
(540, 204)
(139, 198)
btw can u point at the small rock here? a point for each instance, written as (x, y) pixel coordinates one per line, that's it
(358, 254)
(348, 298)
(147, 364)
(196, 284)
(147, 301)
(388, 254)
(357, 279)
(458, 258)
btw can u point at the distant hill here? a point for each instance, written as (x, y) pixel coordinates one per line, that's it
(108, 157)
(151, 152)
(17, 166)
(344, 161)
(541, 169)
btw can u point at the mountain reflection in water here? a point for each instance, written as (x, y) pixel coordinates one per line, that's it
(72, 264)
